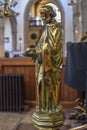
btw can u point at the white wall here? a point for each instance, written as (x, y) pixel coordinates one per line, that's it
(68, 23)
(20, 22)
(7, 34)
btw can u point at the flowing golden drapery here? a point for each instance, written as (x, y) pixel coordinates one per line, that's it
(48, 68)
(48, 57)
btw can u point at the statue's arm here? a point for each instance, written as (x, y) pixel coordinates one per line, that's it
(31, 52)
(35, 53)
(58, 37)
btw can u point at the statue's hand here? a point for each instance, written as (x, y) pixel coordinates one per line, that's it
(31, 52)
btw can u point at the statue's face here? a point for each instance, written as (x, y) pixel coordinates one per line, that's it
(46, 17)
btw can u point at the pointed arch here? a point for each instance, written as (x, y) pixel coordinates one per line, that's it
(26, 20)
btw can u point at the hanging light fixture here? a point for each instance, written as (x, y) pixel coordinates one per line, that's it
(6, 8)
(71, 2)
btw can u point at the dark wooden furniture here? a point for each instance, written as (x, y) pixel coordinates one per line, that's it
(26, 67)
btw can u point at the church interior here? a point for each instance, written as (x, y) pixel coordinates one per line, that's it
(21, 27)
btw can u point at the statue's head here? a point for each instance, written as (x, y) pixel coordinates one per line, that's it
(47, 13)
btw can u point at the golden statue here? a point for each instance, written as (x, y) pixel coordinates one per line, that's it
(48, 57)
(84, 37)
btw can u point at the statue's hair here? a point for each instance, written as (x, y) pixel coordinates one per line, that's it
(48, 9)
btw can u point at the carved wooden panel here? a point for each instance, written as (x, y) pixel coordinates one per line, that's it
(26, 67)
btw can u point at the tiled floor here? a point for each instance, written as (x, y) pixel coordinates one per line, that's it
(16, 121)
(10, 120)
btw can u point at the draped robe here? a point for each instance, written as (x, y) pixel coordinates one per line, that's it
(48, 68)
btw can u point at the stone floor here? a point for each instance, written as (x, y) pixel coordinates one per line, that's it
(17, 121)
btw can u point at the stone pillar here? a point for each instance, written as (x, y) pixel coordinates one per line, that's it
(1, 37)
(84, 16)
(77, 21)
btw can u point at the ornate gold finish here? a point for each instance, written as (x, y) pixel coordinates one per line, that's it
(6, 8)
(48, 57)
(84, 37)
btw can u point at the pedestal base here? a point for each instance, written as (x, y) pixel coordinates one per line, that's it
(51, 119)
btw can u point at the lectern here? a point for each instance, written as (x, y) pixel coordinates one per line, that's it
(76, 66)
